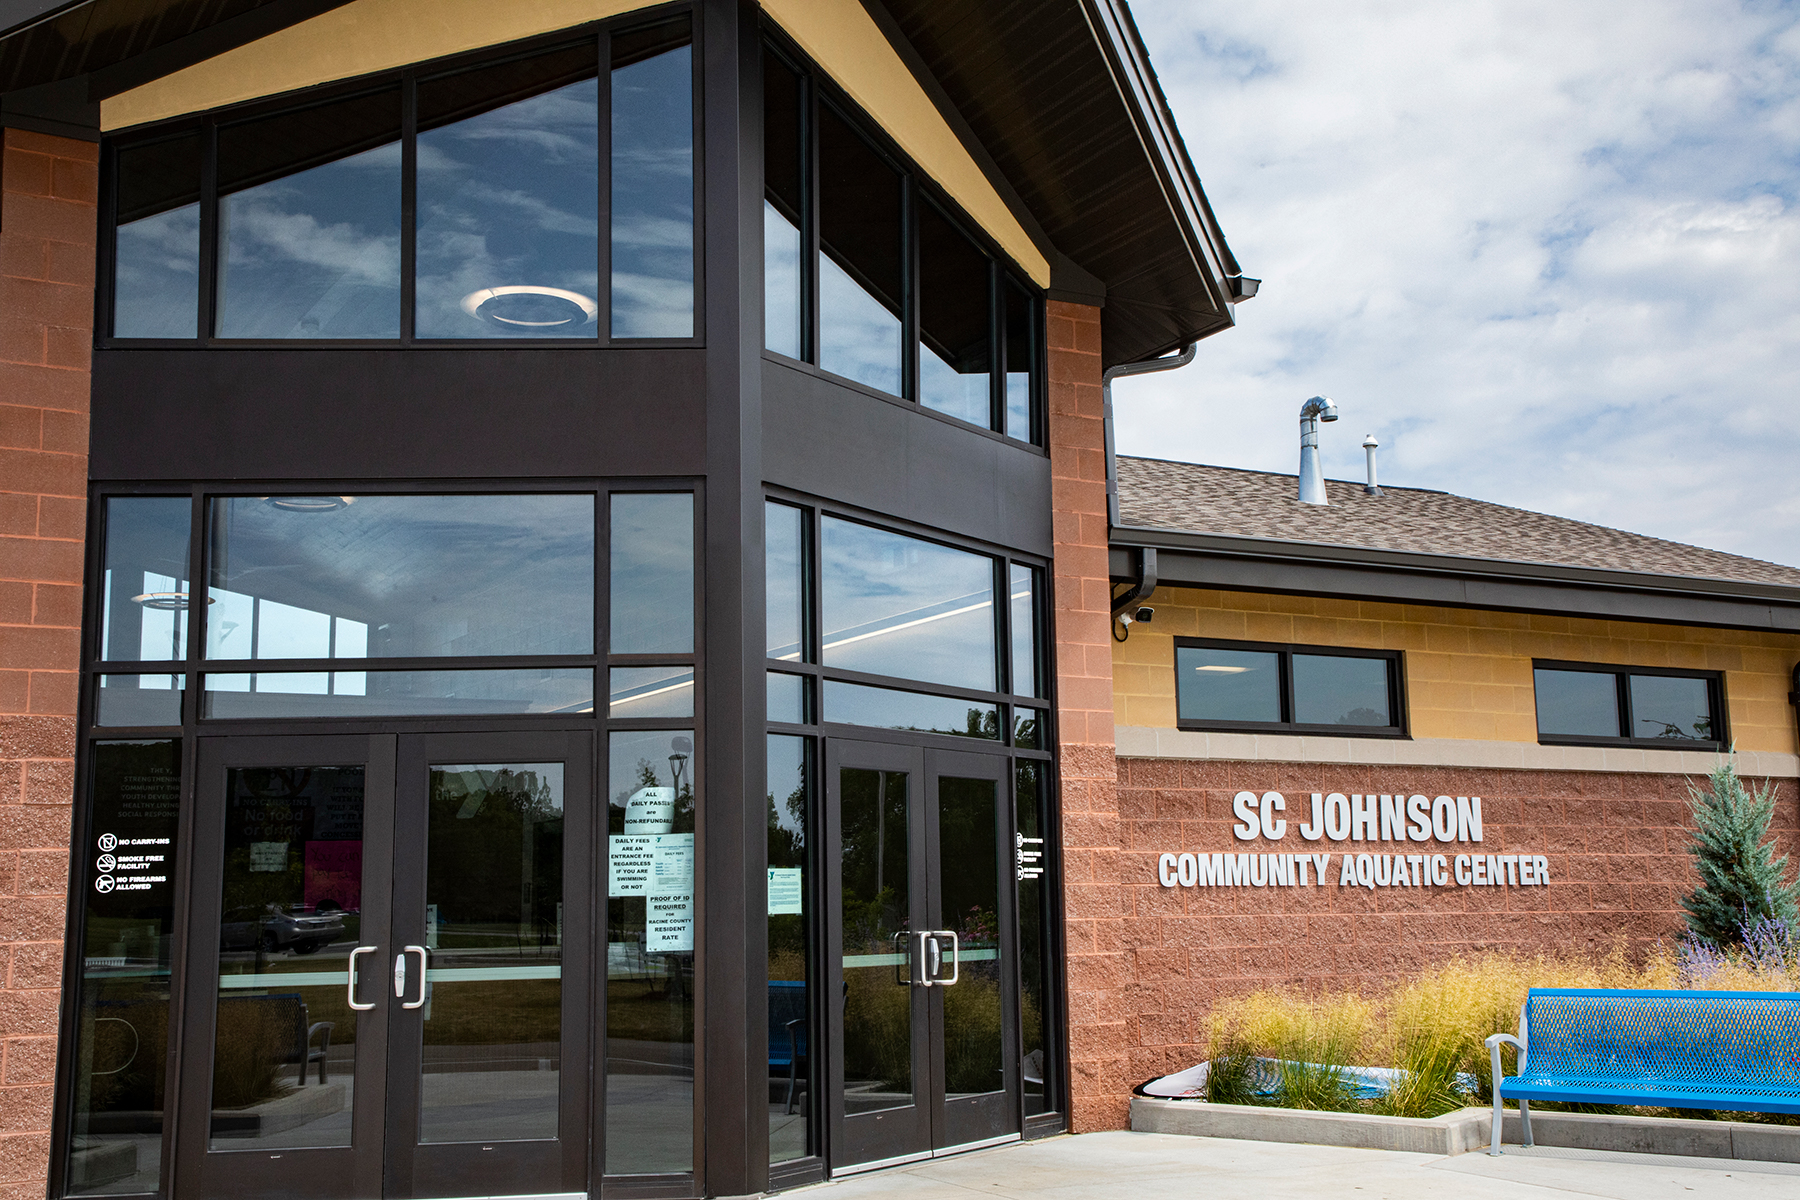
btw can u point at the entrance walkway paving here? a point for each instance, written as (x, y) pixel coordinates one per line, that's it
(1148, 1166)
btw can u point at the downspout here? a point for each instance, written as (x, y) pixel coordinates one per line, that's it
(1111, 373)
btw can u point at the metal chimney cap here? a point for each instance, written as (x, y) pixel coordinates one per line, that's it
(1369, 441)
(1322, 408)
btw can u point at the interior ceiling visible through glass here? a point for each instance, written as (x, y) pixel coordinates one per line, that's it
(379, 576)
(860, 233)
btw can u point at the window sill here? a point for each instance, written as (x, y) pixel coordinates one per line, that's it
(1344, 731)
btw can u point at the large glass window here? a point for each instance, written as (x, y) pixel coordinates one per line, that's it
(785, 579)
(144, 579)
(861, 243)
(1253, 685)
(126, 897)
(513, 219)
(901, 606)
(653, 182)
(509, 199)
(1588, 703)
(898, 293)
(382, 576)
(309, 222)
(652, 554)
(790, 802)
(156, 240)
(651, 801)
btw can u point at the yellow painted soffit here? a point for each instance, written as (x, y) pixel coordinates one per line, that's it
(844, 40)
(357, 39)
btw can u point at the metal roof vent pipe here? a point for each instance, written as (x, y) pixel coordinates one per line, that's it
(1312, 474)
(1369, 445)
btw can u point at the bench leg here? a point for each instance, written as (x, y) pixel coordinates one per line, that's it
(1499, 1115)
(1525, 1123)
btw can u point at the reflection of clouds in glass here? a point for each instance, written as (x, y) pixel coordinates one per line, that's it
(895, 605)
(316, 253)
(858, 337)
(652, 197)
(509, 198)
(781, 283)
(943, 388)
(156, 275)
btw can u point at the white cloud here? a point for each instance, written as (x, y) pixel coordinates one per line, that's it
(1549, 253)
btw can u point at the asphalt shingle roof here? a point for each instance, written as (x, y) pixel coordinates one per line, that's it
(1196, 498)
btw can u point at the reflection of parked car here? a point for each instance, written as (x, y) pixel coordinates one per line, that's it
(273, 928)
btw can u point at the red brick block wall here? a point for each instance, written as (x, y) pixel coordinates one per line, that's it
(1617, 846)
(48, 187)
(1081, 594)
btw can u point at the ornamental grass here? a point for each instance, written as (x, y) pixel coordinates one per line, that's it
(1433, 1025)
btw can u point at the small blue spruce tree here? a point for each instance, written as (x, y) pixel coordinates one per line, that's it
(1740, 877)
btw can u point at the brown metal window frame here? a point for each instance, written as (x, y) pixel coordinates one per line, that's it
(1715, 699)
(1398, 726)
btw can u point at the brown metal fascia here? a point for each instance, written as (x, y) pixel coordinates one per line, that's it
(1472, 582)
(1117, 36)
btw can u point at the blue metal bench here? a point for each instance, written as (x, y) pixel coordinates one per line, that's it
(787, 1032)
(1738, 1051)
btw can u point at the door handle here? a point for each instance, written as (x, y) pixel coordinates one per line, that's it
(424, 957)
(934, 958)
(955, 955)
(350, 981)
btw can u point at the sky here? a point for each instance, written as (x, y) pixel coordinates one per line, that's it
(1548, 253)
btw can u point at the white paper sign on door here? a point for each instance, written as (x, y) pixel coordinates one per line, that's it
(628, 864)
(669, 911)
(785, 886)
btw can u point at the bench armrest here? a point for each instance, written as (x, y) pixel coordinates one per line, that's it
(1493, 1044)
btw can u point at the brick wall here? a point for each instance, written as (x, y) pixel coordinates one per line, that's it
(47, 229)
(1616, 844)
(1081, 592)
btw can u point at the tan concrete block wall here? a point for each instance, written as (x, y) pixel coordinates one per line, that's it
(1081, 600)
(1617, 846)
(1468, 672)
(48, 187)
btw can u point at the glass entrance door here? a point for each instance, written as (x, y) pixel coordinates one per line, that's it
(378, 997)
(920, 953)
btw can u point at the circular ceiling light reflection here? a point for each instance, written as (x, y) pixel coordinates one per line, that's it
(309, 503)
(527, 306)
(167, 601)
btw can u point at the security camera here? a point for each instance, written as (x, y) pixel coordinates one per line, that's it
(1145, 614)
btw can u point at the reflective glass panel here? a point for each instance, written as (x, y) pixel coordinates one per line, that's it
(1672, 707)
(790, 939)
(782, 206)
(509, 200)
(1577, 703)
(651, 692)
(398, 693)
(886, 708)
(1341, 690)
(291, 884)
(650, 953)
(144, 583)
(401, 576)
(969, 885)
(1023, 594)
(1034, 932)
(309, 222)
(139, 700)
(652, 573)
(787, 698)
(1028, 729)
(955, 365)
(156, 247)
(1227, 685)
(1021, 355)
(785, 580)
(494, 936)
(653, 182)
(860, 267)
(876, 953)
(127, 909)
(901, 606)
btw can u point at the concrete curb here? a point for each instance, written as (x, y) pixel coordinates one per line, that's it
(1467, 1129)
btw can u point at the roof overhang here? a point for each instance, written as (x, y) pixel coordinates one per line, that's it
(1248, 564)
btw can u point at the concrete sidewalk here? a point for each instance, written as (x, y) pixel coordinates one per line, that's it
(1136, 1166)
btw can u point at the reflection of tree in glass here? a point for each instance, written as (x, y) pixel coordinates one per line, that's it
(494, 865)
(1667, 729)
(1363, 716)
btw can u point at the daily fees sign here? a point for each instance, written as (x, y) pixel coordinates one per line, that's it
(1334, 816)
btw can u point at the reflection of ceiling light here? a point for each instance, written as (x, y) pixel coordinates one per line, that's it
(167, 601)
(537, 303)
(309, 503)
(1223, 670)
